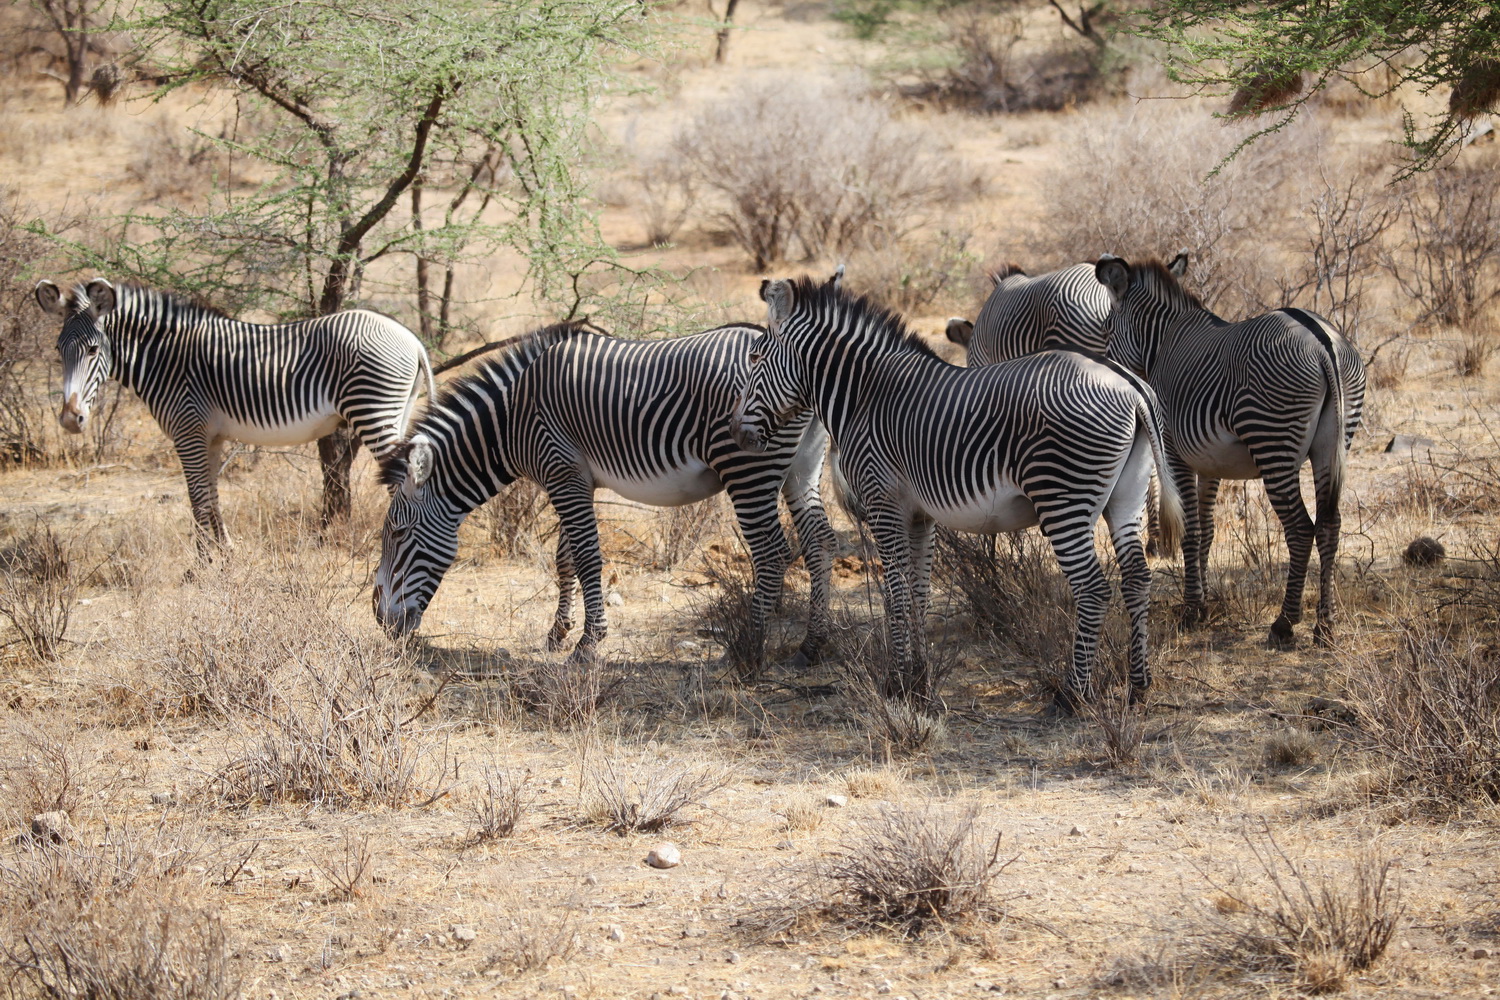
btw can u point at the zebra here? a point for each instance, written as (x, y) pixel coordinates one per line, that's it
(1024, 314)
(574, 411)
(1054, 438)
(207, 379)
(1249, 400)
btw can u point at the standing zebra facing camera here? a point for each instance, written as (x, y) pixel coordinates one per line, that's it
(208, 378)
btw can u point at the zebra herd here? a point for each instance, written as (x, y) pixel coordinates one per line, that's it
(1080, 385)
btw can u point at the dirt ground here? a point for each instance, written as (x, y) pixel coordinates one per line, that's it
(1114, 871)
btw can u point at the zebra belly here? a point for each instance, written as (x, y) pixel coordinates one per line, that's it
(307, 428)
(671, 488)
(1222, 457)
(1006, 509)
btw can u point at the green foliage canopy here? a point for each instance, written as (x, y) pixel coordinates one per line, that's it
(1273, 56)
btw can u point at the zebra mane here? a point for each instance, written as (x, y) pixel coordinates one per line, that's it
(138, 295)
(1155, 275)
(1006, 270)
(859, 312)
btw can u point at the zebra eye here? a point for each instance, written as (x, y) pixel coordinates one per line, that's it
(93, 349)
(755, 357)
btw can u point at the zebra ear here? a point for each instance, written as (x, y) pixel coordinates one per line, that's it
(1114, 274)
(419, 460)
(778, 296)
(960, 331)
(837, 281)
(101, 296)
(1179, 264)
(49, 297)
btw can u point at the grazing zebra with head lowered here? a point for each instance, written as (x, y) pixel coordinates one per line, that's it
(648, 419)
(1023, 314)
(1054, 439)
(1248, 400)
(208, 379)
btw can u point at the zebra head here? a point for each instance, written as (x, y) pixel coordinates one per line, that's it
(775, 390)
(1147, 301)
(84, 344)
(419, 541)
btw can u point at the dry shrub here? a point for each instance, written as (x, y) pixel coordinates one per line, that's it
(798, 166)
(26, 344)
(1120, 724)
(722, 609)
(340, 730)
(512, 519)
(39, 584)
(903, 722)
(647, 799)
(913, 275)
(1431, 707)
(349, 867)
(1012, 593)
(531, 936)
(982, 65)
(1314, 924)
(500, 802)
(900, 871)
(679, 533)
(49, 769)
(1446, 255)
(668, 194)
(565, 693)
(1143, 186)
(171, 162)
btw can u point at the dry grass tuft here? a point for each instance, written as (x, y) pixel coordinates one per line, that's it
(803, 812)
(349, 867)
(647, 800)
(49, 770)
(1120, 724)
(500, 802)
(532, 936)
(1316, 926)
(901, 871)
(39, 584)
(1290, 748)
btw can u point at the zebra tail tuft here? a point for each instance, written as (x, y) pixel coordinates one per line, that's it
(1171, 520)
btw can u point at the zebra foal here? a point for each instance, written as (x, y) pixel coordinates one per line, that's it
(1255, 399)
(574, 411)
(1056, 439)
(1024, 314)
(207, 378)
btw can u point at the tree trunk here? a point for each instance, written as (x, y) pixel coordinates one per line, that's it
(336, 452)
(721, 48)
(424, 297)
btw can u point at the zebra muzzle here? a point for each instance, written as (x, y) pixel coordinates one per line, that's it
(73, 415)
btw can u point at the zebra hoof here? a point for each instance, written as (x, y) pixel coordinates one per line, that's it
(803, 658)
(558, 638)
(1280, 636)
(1194, 615)
(1066, 703)
(1323, 634)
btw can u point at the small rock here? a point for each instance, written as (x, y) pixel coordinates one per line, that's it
(614, 599)
(732, 957)
(1060, 983)
(884, 987)
(695, 931)
(54, 826)
(678, 991)
(836, 801)
(785, 845)
(616, 932)
(463, 933)
(280, 953)
(664, 855)
(591, 879)
(163, 799)
(1481, 952)
(1424, 551)
(1078, 831)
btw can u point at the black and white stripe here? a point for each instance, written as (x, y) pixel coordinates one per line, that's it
(1025, 314)
(207, 378)
(1055, 438)
(1249, 400)
(648, 419)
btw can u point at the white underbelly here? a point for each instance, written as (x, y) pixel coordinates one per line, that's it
(1006, 509)
(687, 484)
(310, 428)
(1223, 457)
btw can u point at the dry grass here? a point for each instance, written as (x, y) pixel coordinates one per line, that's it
(349, 867)
(39, 583)
(499, 804)
(647, 800)
(532, 935)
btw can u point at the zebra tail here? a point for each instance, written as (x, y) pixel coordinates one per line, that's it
(1335, 400)
(431, 379)
(1171, 520)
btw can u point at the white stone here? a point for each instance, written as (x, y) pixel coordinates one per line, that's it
(664, 855)
(464, 933)
(836, 801)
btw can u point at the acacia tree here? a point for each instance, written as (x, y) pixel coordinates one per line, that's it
(1272, 57)
(347, 115)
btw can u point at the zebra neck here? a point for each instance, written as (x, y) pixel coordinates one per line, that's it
(137, 339)
(468, 442)
(847, 378)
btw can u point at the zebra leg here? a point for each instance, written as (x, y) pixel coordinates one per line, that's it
(1194, 608)
(1285, 492)
(921, 574)
(908, 679)
(816, 538)
(336, 451)
(1327, 532)
(573, 499)
(1153, 517)
(1135, 587)
(567, 586)
(1073, 542)
(200, 460)
(1208, 499)
(760, 522)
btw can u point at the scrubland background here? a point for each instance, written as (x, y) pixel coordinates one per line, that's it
(247, 790)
